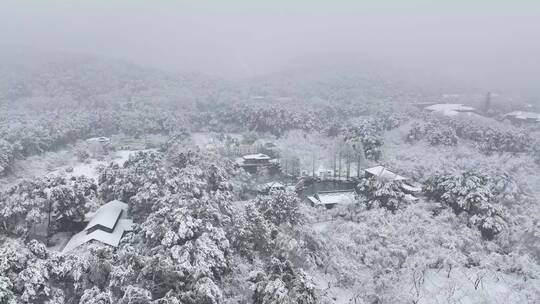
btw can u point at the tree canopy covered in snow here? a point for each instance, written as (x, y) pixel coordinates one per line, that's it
(205, 232)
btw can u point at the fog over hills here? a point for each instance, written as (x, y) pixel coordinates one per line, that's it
(488, 47)
(27, 73)
(269, 152)
(32, 73)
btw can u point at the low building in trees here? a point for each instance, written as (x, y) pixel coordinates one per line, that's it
(523, 117)
(258, 159)
(254, 162)
(107, 225)
(380, 172)
(98, 146)
(450, 109)
(329, 199)
(308, 185)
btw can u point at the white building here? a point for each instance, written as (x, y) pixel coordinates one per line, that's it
(107, 225)
(383, 173)
(450, 109)
(523, 116)
(329, 199)
(254, 160)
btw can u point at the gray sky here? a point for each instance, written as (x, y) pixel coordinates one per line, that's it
(496, 46)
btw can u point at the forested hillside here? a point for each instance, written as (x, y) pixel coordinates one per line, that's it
(207, 228)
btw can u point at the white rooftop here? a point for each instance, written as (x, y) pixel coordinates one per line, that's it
(258, 156)
(99, 139)
(330, 198)
(107, 215)
(449, 109)
(382, 172)
(524, 115)
(107, 226)
(112, 239)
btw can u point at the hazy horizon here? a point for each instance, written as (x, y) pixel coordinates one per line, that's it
(489, 47)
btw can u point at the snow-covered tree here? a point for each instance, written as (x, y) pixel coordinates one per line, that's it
(252, 233)
(282, 283)
(95, 296)
(6, 294)
(6, 156)
(43, 200)
(135, 295)
(441, 135)
(469, 193)
(279, 207)
(375, 193)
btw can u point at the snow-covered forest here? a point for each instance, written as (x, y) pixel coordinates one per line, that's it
(204, 233)
(127, 183)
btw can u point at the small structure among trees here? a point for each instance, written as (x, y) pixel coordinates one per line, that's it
(518, 117)
(253, 162)
(329, 199)
(98, 146)
(450, 109)
(107, 226)
(382, 173)
(258, 159)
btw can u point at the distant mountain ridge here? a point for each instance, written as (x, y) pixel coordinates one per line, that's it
(30, 74)
(27, 75)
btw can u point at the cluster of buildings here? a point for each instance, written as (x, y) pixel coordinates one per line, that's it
(331, 198)
(327, 192)
(455, 109)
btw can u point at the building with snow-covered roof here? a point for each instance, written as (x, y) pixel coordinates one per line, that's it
(252, 163)
(256, 158)
(107, 225)
(381, 172)
(523, 116)
(450, 109)
(329, 199)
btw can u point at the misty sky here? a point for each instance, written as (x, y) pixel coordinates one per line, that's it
(495, 46)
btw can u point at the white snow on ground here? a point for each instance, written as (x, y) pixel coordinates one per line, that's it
(89, 169)
(205, 140)
(123, 155)
(470, 286)
(462, 287)
(326, 282)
